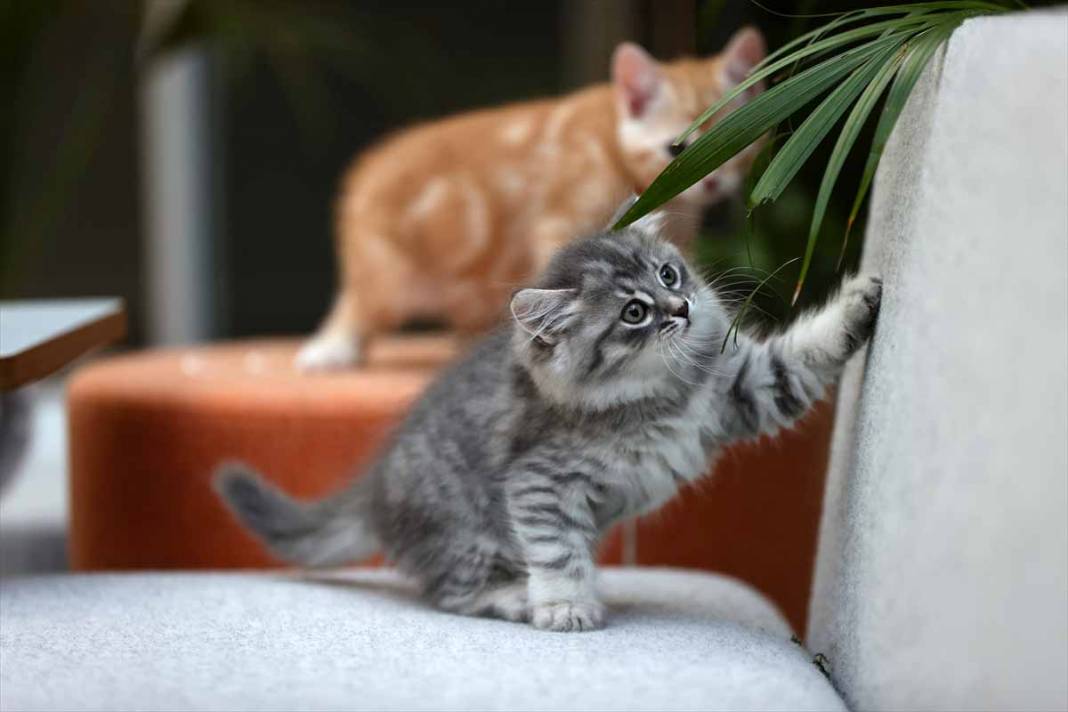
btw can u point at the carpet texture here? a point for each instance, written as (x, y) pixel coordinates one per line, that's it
(361, 640)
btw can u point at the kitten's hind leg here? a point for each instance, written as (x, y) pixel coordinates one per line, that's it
(339, 341)
(507, 601)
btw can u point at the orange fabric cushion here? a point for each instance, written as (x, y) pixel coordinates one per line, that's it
(148, 429)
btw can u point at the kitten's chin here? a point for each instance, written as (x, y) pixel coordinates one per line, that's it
(594, 397)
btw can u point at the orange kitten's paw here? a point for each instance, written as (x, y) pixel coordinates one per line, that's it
(328, 352)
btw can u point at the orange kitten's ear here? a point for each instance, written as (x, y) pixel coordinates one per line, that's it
(540, 312)
(744, 51)
(636, 76)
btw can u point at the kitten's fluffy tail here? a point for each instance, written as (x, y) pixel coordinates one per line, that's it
(332, 531)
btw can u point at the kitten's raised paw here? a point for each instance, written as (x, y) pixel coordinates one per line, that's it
(569, 616)
(862, 296)
(328, 352)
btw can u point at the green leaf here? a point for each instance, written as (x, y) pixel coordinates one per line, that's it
(920, 52)
(748, 123)
(850, 130)
(816, 127)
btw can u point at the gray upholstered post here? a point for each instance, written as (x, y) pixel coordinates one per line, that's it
(942, 579)
(179, 191)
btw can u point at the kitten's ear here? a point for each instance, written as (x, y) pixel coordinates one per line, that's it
(651, 223)
(745, 50)
(540, 312)
(622, 210)
(636, 77)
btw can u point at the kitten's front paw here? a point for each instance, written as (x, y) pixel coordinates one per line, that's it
(568, 616)
(862, 296)
(328, 352)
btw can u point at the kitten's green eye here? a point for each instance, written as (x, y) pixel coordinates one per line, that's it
(669, 276)
(634, 312)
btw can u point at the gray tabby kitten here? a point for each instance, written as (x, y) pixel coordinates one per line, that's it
(606, 393)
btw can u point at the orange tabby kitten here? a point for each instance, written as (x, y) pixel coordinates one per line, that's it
(446, 219)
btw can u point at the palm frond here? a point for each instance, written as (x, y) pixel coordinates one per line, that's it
(919, 53)
(850, 130)
(852, 59)
(740, 128)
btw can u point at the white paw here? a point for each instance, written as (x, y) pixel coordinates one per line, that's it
(568, 616)
(862, 296)
(864, 290)
(328, 352)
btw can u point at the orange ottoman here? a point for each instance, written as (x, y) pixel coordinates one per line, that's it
(148, 429)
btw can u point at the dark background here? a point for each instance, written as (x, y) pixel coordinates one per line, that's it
(299, 88)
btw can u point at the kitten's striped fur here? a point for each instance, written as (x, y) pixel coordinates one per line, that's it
(495, 490)
(444, 220)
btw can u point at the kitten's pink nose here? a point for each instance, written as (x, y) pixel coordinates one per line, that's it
(679, 307)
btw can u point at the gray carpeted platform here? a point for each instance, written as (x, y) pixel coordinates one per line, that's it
(361, 640)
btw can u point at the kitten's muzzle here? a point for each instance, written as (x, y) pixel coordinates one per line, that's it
(678, 315)
(679, 307)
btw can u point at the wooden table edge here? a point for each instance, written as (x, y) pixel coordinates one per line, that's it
(45, 359)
